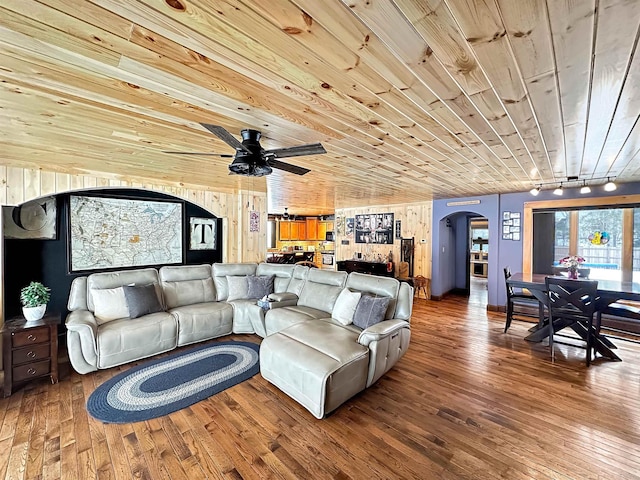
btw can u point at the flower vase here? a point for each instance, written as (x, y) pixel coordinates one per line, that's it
(573, 273)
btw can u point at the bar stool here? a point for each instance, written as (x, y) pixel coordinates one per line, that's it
(422, 283)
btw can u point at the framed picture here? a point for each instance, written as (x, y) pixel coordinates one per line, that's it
(254, 221)
(374, 228)
(506, 215)
(202, 233)
(348, 227)
(110, 232)
(398, 229)
(36, 220)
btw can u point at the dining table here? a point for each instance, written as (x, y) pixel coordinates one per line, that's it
(609, 291)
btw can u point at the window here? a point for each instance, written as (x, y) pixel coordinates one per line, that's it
(600, 242)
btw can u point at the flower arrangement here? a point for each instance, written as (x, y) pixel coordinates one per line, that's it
(572, 262)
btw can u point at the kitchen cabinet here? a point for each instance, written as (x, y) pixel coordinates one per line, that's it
(312, 228)
(302, 231)
(322, 231)
(285, 230)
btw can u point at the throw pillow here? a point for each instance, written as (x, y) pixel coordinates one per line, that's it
(238, 288)
(109, 304)
(345, 306)
(259, 286)
(142, 300)
(370, 310)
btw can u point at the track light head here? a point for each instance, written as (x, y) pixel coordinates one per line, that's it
(559, 190)
(609, 186)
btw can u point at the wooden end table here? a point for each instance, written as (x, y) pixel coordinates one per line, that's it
(29, 351)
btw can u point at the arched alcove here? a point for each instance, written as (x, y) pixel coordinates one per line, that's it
(47, 260)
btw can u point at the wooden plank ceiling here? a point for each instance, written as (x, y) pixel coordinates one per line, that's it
(413, 99)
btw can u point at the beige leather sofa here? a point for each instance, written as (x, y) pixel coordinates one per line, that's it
(312, 357)
(320, 362)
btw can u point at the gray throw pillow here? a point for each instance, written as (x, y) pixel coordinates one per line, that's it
(261, 285)
(142, 300)
(238, 287)
(370, 310)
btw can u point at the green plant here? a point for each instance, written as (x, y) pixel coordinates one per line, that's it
(34, 294)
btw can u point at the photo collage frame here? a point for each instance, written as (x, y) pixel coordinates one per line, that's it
(511, 226)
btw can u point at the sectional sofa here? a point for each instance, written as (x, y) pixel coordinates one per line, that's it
(326, 335)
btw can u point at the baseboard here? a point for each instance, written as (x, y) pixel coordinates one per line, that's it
(496, 308)
(437, 298)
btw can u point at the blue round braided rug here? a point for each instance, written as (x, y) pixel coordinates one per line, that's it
(168, 384)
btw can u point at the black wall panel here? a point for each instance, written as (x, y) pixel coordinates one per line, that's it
(47, 260)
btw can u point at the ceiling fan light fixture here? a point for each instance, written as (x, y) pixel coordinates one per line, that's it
(535, 191)
(285, 215)
(609, 186)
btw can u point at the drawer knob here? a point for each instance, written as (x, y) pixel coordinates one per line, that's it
(31, 371)
(31, 354)
(32, 337)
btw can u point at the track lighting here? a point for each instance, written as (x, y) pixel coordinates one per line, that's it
(585, 188)
(609, 186)
(559, 190)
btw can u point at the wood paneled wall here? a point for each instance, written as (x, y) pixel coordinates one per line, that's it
(416, 223)
(18, 185)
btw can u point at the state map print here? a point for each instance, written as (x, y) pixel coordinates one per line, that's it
(115, 232)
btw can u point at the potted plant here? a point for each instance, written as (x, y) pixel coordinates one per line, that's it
(34, 298)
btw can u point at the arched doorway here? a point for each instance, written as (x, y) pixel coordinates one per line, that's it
(463, 257)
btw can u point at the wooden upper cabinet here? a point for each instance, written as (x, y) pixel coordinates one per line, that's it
(302, 231)
(312, 228)
(322, 231)
(295, 230)
(285, 230)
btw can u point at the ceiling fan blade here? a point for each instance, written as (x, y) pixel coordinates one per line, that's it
(223, 155)
(309, 149)
(225, 136)
(287, 167)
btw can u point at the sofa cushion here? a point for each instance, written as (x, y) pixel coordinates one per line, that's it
(345, 307)
(99, 281)
(141, 300)
(282, 272)
(189, 292)
(110, 304)
(203, 321)
(221, 271)
(321, 289)
(238, 288)
(280, 318)
(260, 285)
(370, 310)
(378, 287)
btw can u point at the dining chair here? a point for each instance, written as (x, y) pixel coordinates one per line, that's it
(519, 297)
(572, 303)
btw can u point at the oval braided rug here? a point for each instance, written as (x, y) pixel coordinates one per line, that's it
(168, 384)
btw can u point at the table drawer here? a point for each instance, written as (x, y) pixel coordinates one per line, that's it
(30, 336)
(31, 370)
(31, 354)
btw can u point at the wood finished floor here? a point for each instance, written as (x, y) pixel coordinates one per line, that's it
(466, 401)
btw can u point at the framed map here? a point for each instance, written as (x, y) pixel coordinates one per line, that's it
(119, 232)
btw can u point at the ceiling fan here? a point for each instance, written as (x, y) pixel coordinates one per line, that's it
(251, 159)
